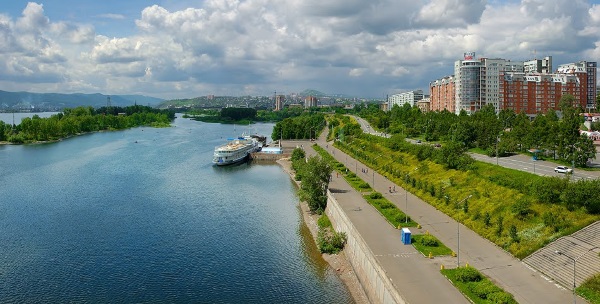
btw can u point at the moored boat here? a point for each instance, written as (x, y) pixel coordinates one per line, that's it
(236, 150)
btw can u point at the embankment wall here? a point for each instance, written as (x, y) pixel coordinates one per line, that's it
(375, 282)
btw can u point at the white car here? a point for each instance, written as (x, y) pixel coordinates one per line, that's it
(563, 169)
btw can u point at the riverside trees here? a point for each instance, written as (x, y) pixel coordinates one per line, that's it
(314, 174)
(81, 120)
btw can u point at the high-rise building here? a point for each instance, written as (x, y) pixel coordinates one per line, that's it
(467, 86)
(587, 75)
(442, 94)
(543, 66)
(477, 81)
(537, 93)
(410, 98)
(310, 102)
(279, 100)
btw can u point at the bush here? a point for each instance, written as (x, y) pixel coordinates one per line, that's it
(375, 195)
(429, 240)
(330, 241)
(364, 185)
(483, 289)
(468, 274)
(323, 221)
(501, 297)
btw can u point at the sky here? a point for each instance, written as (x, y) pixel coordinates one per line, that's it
(363, 48)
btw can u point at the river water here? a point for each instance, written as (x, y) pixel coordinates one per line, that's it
(142, 215)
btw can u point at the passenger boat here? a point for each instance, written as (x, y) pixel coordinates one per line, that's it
(236, 150)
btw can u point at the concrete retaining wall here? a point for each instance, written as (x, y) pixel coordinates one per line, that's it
(375, 282)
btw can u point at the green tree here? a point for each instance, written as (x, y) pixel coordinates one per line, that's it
(315, 182)
(568, 128)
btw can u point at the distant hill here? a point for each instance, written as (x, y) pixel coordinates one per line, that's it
(57, 101)
(310, 92)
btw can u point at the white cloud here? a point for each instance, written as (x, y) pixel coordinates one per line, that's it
(255, 46)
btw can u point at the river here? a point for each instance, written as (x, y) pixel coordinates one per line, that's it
(142, 215)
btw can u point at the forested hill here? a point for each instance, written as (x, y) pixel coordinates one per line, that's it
(19, 101)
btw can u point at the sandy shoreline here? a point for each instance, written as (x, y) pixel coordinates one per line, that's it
(339, 262)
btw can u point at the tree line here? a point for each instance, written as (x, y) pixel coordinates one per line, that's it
(73, 121)
(502, 133)
(307, 125)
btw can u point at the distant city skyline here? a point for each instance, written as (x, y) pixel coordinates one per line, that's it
(184, 49)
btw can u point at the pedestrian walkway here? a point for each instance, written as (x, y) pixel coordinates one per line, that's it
(509, 273)
(411, 273)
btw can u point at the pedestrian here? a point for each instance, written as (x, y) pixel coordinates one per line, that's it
(394, 188)
(390, 189)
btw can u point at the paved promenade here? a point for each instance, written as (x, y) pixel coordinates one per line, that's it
(416, 276)
(418, 279)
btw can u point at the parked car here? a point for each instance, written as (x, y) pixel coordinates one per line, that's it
(563, 169)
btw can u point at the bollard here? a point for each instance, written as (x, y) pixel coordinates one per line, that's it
(453, 254)
(419, 226)
(466, 264)
(430, 256)
(427, 232)
(441, 266)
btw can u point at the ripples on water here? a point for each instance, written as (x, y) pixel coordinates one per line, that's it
(103, 218)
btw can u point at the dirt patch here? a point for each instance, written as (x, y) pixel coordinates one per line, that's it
(339, 262)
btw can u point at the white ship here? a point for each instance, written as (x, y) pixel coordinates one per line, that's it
(236, 150)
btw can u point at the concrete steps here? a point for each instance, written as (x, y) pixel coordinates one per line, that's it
(580, 246)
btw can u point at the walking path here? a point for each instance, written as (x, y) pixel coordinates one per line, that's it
(414, 276)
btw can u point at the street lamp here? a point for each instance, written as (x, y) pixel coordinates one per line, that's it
(574, 267)
(458, 233)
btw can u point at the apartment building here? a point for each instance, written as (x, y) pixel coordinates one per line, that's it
(279, 100)
(410, 98)
(586, 71)
(537, 93)
(310, 102)
(442, 94)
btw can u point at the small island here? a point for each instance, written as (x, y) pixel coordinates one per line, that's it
(80, 120)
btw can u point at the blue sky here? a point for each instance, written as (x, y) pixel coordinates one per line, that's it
(179, 49)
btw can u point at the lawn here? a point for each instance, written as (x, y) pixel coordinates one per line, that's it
(429, 244)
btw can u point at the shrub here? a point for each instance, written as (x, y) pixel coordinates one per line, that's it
(323, 221)
(483, 289)
(375, 195)
(501, 297)
(429, 240)
(330, 241)
(364, 185)
(468, 274)
(521, 208)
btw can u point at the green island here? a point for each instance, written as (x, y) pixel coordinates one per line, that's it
(80, 120)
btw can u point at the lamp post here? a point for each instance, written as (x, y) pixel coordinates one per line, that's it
(574, 267)
(458, 233)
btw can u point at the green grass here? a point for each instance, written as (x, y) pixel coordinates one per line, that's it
(590, 289)
(421, 245)
(495, 193)
(390, 212)
(479, 291)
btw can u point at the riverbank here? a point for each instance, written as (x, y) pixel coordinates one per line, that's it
(339, 262)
